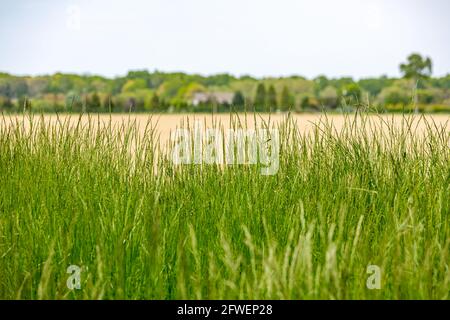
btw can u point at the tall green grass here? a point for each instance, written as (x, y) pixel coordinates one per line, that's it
(108, 199)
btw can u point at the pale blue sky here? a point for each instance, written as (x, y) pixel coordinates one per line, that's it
(256, 37)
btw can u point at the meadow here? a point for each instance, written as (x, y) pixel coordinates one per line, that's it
(102, 193)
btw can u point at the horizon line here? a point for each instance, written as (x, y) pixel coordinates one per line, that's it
(240, 76)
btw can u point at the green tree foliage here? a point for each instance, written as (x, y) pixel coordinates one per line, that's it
(24, 104)
(6, 103)
(260, 97)
(93, 103)
(341, 82)
(218, 80)
(238, 99)
(374, 85)
(320, 83)
(394, 95)
(174, 91)
(417, 67)
(139, 74)
(186, 92)
(169, 89)
(272, 102)
(155, 103)
(287, 99)
(5, 88)
(329, 97)
(134, 85)
(305, 103)
(351, 94)
(108, 104)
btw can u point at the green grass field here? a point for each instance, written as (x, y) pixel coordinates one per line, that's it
(142, 228)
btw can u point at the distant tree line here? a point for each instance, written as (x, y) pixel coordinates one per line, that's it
(143, 91)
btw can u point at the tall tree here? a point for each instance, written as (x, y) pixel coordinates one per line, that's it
(320, 83)
(287, 99)
(260, 97)
(329, 97)
(108, 104)
(272, 97)
(417, 68)
(304, 103)
(94, 103)
(351, 93)
(155, 104)
(238, 99)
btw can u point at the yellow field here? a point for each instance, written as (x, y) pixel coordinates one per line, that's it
(164, 124)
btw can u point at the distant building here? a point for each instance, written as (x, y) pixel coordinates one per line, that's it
(212, 97)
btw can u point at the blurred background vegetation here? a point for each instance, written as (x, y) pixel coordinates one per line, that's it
(144, 91)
